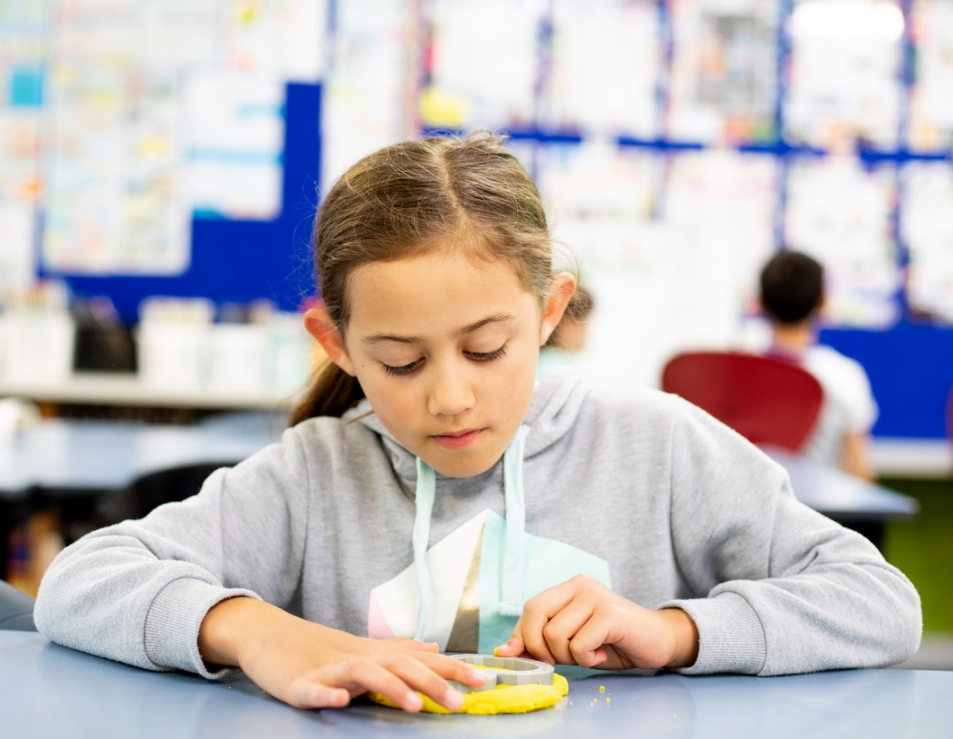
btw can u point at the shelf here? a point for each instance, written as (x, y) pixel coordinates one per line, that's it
(126, 389)
(912, 458)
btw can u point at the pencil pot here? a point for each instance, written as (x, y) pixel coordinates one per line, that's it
(238, 357)
(37, 347)
(290, 350)
(105, 349)
(172, 355)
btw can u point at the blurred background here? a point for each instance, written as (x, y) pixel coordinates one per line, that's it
(161, 161)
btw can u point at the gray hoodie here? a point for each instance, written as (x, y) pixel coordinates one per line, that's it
(647, 494)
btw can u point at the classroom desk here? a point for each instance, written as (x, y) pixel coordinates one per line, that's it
(860, 505)
(128, 389)
(50, 691)
(930, 459)
(72, 455)
(64, 459)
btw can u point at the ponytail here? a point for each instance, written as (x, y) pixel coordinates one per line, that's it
(331, 393)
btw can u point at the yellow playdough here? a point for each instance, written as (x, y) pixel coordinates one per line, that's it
(501, 699)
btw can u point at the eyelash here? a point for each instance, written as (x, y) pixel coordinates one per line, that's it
(409, 369)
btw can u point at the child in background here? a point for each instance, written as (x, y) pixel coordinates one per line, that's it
(431, 497)
(792, 297)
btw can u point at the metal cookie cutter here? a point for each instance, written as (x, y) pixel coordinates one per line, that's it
(506, 671)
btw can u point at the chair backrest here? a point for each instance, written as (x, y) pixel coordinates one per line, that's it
(766, 400)
(16, 609)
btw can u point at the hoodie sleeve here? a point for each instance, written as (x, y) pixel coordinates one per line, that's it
(785, 589)
(137, 592)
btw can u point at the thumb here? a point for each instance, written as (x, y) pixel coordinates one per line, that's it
(512, 647)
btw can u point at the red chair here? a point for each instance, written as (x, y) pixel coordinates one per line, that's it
(766, 400)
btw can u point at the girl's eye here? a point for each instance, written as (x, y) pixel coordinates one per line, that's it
(487, 356)
(407, 369)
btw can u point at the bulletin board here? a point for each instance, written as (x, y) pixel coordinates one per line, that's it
(241, 261)
(161, 147)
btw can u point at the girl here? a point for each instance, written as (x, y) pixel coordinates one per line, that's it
(429, 497)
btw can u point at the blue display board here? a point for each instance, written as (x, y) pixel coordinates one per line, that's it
(243, 261)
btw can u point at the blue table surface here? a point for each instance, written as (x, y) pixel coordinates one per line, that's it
(66, 454)
(836, 493)
(50, 691)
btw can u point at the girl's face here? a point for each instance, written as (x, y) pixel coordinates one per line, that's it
(446, 350)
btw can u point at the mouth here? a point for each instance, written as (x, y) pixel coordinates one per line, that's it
(457, 439)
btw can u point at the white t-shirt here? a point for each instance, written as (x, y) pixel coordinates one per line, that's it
(845, 379)
(849, 404)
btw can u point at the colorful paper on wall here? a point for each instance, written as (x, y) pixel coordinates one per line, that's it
(233, 127)
(928, 235)
(840, 213)
(604, 69)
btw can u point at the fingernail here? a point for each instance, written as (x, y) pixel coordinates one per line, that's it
(413, 702)
(453, 700)
(478, 676)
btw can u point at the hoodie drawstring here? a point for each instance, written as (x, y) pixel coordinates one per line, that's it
(511, 602)
(426, 488)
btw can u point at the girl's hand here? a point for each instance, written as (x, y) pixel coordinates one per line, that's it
(581, 622)
(311, 666)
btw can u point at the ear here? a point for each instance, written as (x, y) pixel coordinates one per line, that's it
(561, 289)
(320, 326)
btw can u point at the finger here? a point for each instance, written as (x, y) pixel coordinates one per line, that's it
(307, 693)
(588, 644)
(424, 680)
(536, 615)
(533, 641)
(455, 669)
(361, 675)
(512, 647)
(561, 629)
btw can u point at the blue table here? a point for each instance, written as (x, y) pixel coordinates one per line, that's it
(66, 461)
(73, 455)
(49, 691)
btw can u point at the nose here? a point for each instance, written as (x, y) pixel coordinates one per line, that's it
(451, 392)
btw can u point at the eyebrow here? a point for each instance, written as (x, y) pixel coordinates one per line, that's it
(495, 318)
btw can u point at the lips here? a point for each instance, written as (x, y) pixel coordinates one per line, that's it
(457, 439)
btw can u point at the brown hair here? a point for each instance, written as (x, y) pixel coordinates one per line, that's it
(792, 287)
(413, 198)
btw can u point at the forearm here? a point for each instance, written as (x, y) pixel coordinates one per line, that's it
(236, 627)
(854, 458)
(229, 626)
